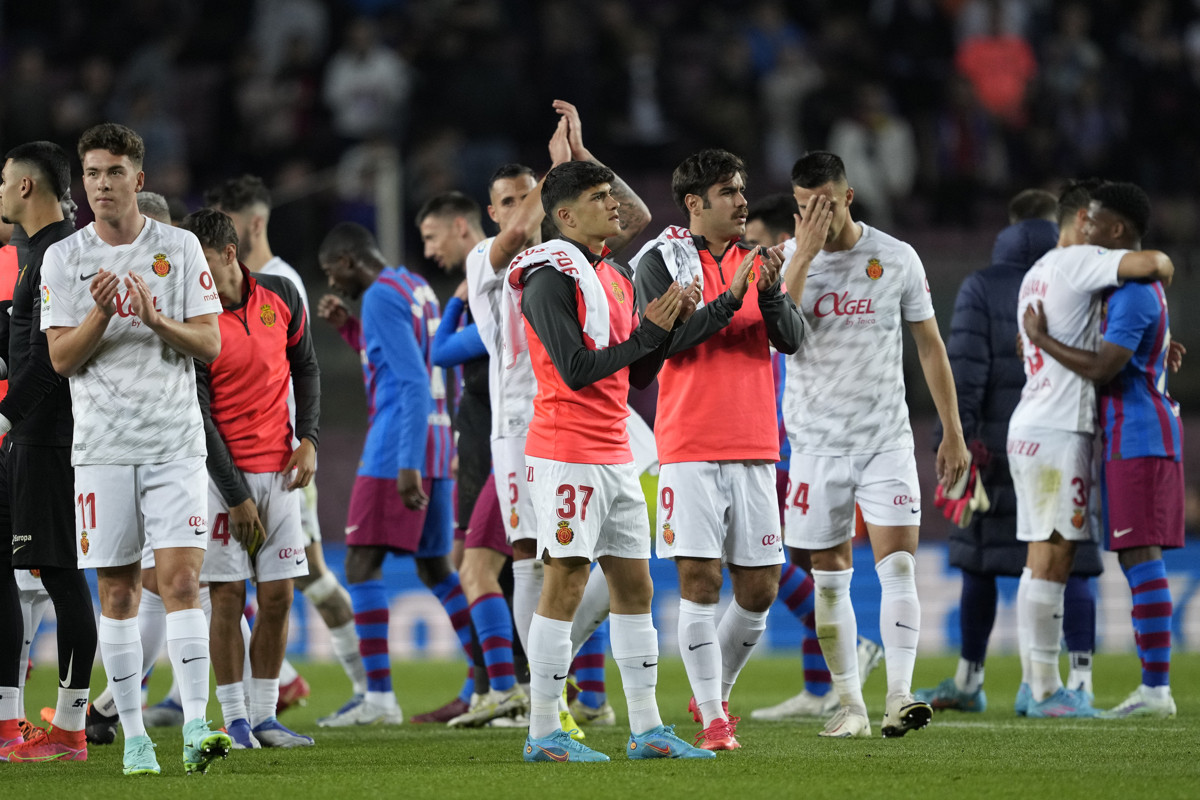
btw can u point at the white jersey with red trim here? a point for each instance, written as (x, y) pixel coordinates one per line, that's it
(844, 391)
(134, 400)
(512, 388)
(1068, 281)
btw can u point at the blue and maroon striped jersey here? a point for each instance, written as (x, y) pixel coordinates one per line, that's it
(409, 425)
(1140, 419)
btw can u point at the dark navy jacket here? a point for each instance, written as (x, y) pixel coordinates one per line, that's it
(988, 376)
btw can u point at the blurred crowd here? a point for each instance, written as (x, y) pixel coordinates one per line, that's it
(938, 105)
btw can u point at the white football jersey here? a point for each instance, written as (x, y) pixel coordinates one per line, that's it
(1068, 281)
(134, 400)
(844, 393)
(512, 389)
(277, 266)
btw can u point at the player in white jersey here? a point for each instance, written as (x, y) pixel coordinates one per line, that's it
(1051, 433)
(848, 427)
(516, 206)
(127, 303)
(247, 201)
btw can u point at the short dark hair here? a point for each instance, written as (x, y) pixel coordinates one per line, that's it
(817, 168)
(213, 228)
(1128, 201)
(1032, 204)
(347, 238)
(238, 194)
(570, 179)
(1074, 196)
(50, 162)
(700, 171)
(775, 212)
(451, 204)
(116, 139)
(509, 171)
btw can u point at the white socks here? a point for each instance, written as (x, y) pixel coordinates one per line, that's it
(635, 649)
(187, 646)
(837, 631)
(121, 653)
(345, 647)
(152, 626)
(232, 697)
(899, 618)
(549, 654)
(738, 634)
(1023, 623)
(701, 651)
(1080, 675)
(1042, 617)
(264, 696)
(969, 676)
(593, 609)
(10, 703)
(287, 673)
(527, 588)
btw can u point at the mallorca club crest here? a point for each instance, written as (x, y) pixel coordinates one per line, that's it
(267, 315)
(618, 292)
(83, 542)
(514, 519)
(564, 534)
(874, 269)
(1077, 519)
(162, 267)
(668, 535)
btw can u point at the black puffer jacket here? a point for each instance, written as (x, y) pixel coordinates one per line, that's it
(989, 376)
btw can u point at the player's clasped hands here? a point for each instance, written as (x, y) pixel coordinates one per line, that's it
(664, 310)
(141, 301)
(104, 288)
(771, 267)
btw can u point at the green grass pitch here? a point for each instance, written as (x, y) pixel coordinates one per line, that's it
(987, 755)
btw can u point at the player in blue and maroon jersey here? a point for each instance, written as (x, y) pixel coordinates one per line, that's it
(1142, 478)
(402, 500)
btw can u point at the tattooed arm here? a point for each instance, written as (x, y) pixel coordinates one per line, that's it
(635, 214)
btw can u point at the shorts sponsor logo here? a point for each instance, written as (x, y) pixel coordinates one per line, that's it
(874, 269)
(290, 552)
(904, 500)
(197, 522)
(618, 292)
(770, 539)
(83, 542)
(668, 535)
(514, 519)
(1077, 519)
(162, 267)
(267, 315)
(564, 534)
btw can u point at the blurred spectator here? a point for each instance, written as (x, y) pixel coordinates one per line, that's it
(967, 155)
(883, 150)
(27, 98)
(366, 86)
(1000, 66)
(83, 105)
(1070, 55)
(281, 25)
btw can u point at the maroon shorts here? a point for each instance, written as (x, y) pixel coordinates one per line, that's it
(487, 521)
(781, 488)
(1143, 503)
(379, 518)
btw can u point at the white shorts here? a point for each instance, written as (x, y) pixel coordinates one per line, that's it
(729, 511)
(282, 554)
(512, 487)
(822, 491)
(588, 510)
(1052, 476)
(125, 507)
(308, 514)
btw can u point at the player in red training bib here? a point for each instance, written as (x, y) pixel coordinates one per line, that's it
(580, 321)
